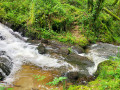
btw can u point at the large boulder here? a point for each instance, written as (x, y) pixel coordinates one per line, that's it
(79, 60)
(82, 76)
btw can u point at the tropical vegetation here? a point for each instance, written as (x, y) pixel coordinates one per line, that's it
(73, 21)
(70, 21)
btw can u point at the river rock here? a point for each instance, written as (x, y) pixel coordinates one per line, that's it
(79, 78)
(56, 44)
(65, 49)
(77, 49)
(44, 41)
(73, 75)
(82, 76)
(33, 42)
(1, 77)
(1, 37)
(79, 60)
(2, 53)
(41, 49)
(5, 66)
(18, 36)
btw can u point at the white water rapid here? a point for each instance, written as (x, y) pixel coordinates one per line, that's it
(21, 52)
(100, 52)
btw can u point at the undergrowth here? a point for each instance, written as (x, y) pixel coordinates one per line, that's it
(57, 19)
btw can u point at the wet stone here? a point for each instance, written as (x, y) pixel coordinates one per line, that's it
(44, 41)
(79, 78)
(1, 76)
(5, 69)
(5, 66)
(2, 38)
(79, 60)
(77, 49)
(41, 49)
(73, 75)
(2, 53)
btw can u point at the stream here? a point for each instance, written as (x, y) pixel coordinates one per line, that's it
(17, 55)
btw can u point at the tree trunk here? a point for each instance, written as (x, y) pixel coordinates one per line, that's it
(98, 8)
(110, 13)
(115, 2)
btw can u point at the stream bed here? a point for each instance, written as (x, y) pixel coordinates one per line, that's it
(17, 55)
(26, 80)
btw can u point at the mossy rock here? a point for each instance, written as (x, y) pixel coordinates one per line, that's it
(79, 60)
(41, 49)
(101, 66)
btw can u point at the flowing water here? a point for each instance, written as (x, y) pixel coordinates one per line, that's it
(21, 53)
(18, 52)
(100, 52)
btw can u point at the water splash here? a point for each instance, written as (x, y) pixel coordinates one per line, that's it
(100, 52)
(21, 52)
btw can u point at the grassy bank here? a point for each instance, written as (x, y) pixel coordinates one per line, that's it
(108, 77)
(70, 21)
(65, 20)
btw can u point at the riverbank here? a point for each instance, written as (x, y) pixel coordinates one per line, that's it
(67, 21)
(70, 61)
(108, 77)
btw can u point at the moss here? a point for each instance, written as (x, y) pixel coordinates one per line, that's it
(108, 77)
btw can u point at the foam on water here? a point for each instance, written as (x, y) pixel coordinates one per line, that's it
(99, 53)
(21, 52)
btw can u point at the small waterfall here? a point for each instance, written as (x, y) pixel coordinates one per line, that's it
(14, 52)
(19, 52)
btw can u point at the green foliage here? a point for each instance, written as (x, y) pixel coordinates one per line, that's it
(56, 80)
(70, 50)
(108, 76)
(48, 34)
(54, 19)
(4, 88)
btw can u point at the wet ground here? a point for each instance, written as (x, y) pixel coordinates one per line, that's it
(33, 78)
